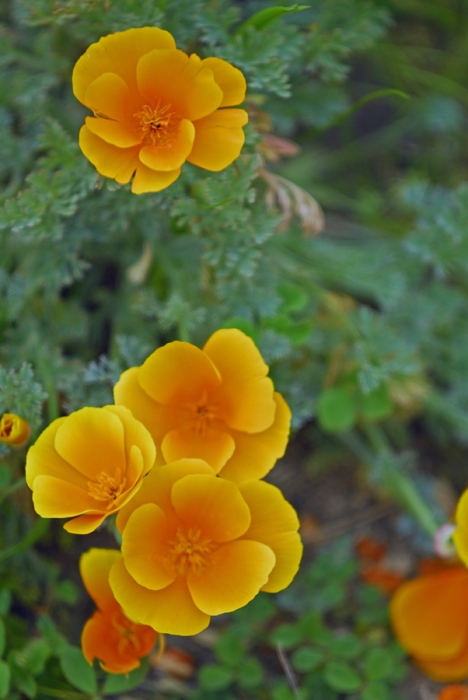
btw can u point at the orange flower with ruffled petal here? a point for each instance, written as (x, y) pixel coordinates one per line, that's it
(88, 464)
(430, 618)
(155, 107)
(195, 545)
(216, 404)
(109, 635)
(14, 430)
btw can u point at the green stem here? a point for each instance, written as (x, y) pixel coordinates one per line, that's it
(38, 529)
(46, 376)
(398, 483)
(6, 492)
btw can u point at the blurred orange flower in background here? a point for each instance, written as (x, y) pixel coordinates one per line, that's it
(216, 404)
(14, 430)
(88, 464)
(156, 107)
(108, 635)
(453, 692)
(195, 545)
(430, 619)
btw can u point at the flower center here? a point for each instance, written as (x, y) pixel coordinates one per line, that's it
(158, 125)
(128, 641)
(106, 488)
(189, 551)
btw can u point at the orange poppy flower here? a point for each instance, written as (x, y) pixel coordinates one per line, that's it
(14, 430)
(430, 618)
(155, 108)
(453, 692)
(216, 404)
(88, 464)
(195, 545)
(109, 635)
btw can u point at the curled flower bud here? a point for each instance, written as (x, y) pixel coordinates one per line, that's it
(14, 430)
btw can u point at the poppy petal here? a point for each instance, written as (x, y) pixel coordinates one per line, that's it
(158, 487)
(145, 550)
(148, 180)
(135, 435)
(230, 80)
(275, 523)
(232, 577)
(213, 505)
(170, 610)
(92, 440)
(84, 524)
(95, 565)
(43, 459)
(212, 446)
(118, 53)
(109, 160)
(430, 615)
(158, 419)
(172, 155)
(108, 96)
(178, 373)
(246, 394)
(256, 453)
(112, 132)
(218, 139)
(56, 498)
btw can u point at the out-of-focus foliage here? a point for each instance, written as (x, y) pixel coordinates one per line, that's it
(364, 326)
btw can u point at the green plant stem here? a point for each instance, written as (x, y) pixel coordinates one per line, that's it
(47, 378)
(6, 492)
(398, 483)
(36, 532)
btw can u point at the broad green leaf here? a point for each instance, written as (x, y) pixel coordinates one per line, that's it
(5, 476)
(250, 674)
(341, 677)
(282, 691)
(288, 636)
(77, 670)
(215, 677)
(348, 647)
(35, 655)
(337, 409)
(263, 18)
(376, 405)
(230, 648)
(377, 664)
(375, 691)
(294, 297)
(5, 601)
(2, 638)
(26, 684)
(306, 659)
(4, 679)
(120, 683)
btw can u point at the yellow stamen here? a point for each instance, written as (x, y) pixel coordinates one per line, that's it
(107, 488)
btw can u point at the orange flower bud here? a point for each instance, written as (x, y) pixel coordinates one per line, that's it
(155, 108)
(215, 404)
(109, 635)
(14, 430)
